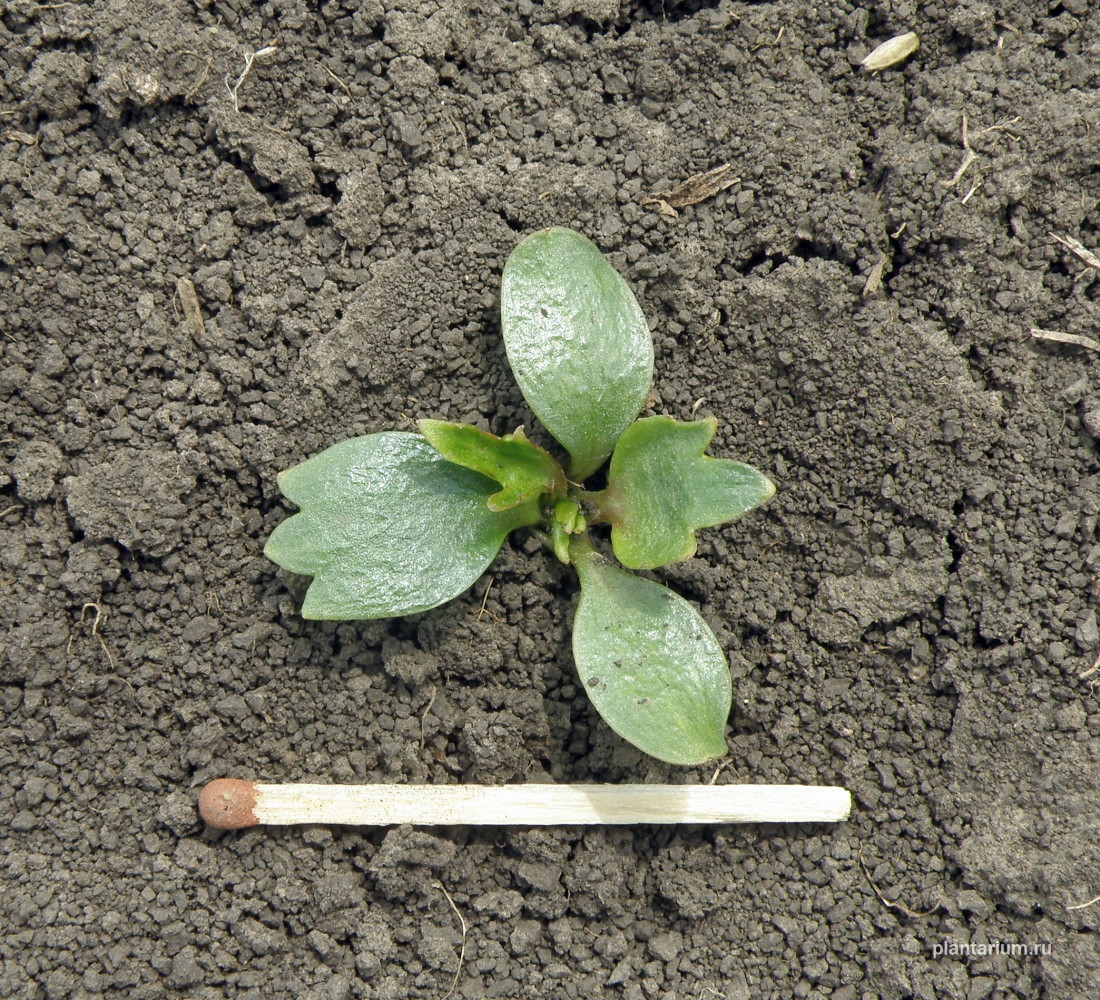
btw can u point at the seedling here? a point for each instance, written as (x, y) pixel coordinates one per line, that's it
(395, 523)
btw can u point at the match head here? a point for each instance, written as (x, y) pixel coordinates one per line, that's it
(228, 804)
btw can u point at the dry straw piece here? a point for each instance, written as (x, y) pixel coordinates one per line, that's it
(891, 52)
(695, 189)
(233, 804)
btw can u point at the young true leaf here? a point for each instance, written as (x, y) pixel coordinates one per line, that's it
(661, 487)
(567, 521)
(650, 664)
(524, 470)
(388, 527)
(577, 342)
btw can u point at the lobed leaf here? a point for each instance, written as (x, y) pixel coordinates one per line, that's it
(577, 342)
(661, 487)
(524, 470)
(650, 664)
(387, 527)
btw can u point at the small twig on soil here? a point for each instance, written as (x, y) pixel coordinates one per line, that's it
(213, 602)
(1002, 127)
(484, 599)
(1081, 906)
(340, 83)
(970, 156)
(249, 61)
(7, 510)
(900, 907)
(1078, 249)
(462, 949)
(424, 717)
(774, 42)
(129, 686)
(719, 769)
(968, 159)
(1091, 670)
(100, 615)
(1065, 338)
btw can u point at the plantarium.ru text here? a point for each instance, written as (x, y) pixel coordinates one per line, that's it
(395, 523)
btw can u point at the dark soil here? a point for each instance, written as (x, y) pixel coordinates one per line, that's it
(914, 616)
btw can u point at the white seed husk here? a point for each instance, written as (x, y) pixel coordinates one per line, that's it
(891, 52)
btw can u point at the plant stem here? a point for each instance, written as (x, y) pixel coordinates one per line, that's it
(581, 548)
(599, 506)
(525, 514)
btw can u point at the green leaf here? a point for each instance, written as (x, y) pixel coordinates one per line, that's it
(524, 470)
(577, 341)
(649, 663)
(661, 487)
(387, 527)
(567, 521)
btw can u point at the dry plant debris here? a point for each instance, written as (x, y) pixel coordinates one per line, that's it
(189, 299)
(1078, 249)
(1065, 338)
(694, 190)
(874, 277)
(970, 156)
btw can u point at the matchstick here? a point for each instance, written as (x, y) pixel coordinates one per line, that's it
(233, 804)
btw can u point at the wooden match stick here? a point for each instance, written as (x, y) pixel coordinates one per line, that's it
(233, 804)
